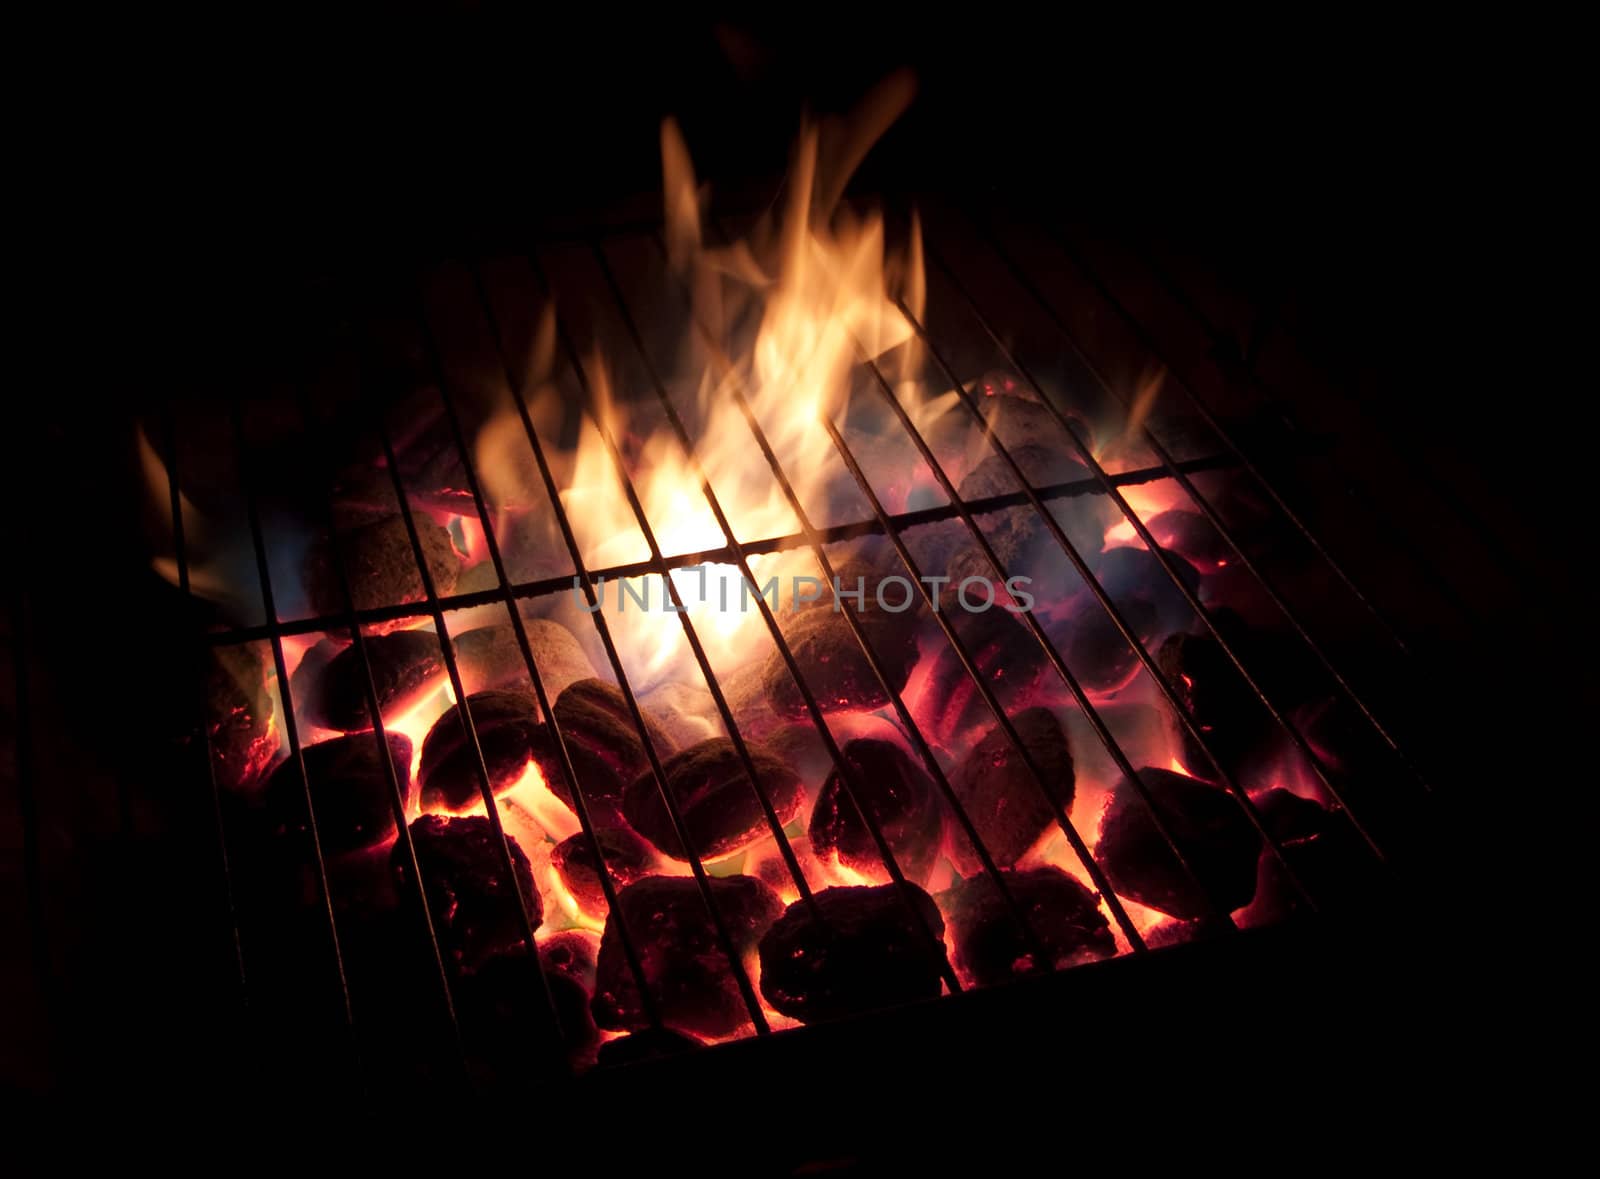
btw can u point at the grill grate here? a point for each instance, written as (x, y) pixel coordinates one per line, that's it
(816, 538)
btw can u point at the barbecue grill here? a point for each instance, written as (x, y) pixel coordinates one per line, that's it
(337, 971)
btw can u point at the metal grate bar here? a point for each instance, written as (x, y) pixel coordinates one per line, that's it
(583, 577)
(1129, 635)
(1401, 539)
(734, 551)
(541, 693)
(1113, 902)
(1086, 456)
(290, 727)
(655, 551)
(552, 1018)
(841, 764)
(380, 735)
(712, 681)
(722, 555)
(1152, 348)
(1210, 513)
(1052, 653)
(180, 551)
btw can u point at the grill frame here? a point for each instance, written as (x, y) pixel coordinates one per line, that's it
(883, 523)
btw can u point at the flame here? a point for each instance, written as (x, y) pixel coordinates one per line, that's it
(680, 197)
(576, 915)
(415, 723)
(418, 721)
(1055, 850)
(213, 567)
(1148, 500)
(530, 794)
(824, 287)
(1139, 407)
(841, 873)
(158, 488)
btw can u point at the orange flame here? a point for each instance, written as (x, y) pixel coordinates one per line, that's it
(825, 285)
(1148, 500)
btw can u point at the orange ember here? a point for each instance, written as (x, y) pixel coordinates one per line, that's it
(1148, 500)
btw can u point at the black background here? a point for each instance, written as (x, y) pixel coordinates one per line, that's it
(1369, 175)
(1342, 158)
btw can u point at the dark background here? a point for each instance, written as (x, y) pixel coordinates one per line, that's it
(201, 171)
(1330, 157)
(1365, 177)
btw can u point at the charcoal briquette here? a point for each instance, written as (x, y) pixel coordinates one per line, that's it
(1322, 847)
(491, 657)
(1224, 708)
(646, 1044)
(1093, 646)
(714, 797)
(1132, 575)
(1214, 834)
(684, 712)
(1002, 797)
(573, 953)
(680, 953)
(832, 663)
(1019, 535)
(902, 801)
(406, 667)
(1018, 420)
(505, 1018)
(241, 709)
(603, 743)
(508, 732)
(1007, 656)
(380, 565)
(627, 858)
(863, 948)
(474, 908)
(1065, 917)
(350, 791)
(1193, 537)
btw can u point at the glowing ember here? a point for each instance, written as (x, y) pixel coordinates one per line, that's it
(416, 722)
(1148, 500)
(532, 795)
(575, 913)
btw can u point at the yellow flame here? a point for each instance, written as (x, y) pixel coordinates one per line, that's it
(1144, 400)
(681, 199)
(205, 580)
(1148, 500)
(824, 291)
